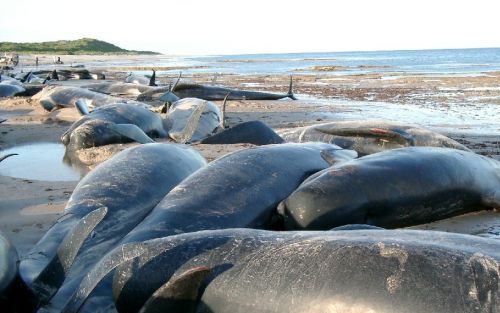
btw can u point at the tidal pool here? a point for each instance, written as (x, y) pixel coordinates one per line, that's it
(40, 161)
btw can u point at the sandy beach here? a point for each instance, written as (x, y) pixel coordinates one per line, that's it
(29, 206)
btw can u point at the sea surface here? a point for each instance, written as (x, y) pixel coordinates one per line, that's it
(462, 62)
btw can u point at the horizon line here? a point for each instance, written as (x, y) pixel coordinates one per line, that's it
(335, 51)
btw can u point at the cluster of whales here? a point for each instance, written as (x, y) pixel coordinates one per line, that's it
(109, 118)
(306, 221)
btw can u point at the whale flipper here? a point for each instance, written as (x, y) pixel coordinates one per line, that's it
(53, 275)
(81, 107)
(333, 156)
(178, 294)
(109, 262)
(131, 131)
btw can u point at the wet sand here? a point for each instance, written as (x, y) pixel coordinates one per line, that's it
(28, 207)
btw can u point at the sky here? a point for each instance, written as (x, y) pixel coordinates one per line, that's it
(208, 27)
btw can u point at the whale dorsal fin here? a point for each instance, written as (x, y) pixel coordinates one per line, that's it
(3, 157)
(333, 156)
(290, 89)
(152, 80)
(81, 107)
(223, 116)
(131, 131)
(54, 274)
(178, 294)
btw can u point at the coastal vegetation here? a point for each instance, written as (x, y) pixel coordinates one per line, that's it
(79, 46)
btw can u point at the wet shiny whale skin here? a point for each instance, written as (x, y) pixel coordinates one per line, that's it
(240, 189)
(261, 271)
(106, 204)
(92, 130)
(395, 188)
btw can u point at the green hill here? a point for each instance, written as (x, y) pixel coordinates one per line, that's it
(79, 46)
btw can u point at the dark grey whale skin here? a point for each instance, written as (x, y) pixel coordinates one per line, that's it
(213, 93)
(107, 203)
(14, 294)
(241, 189)
(97, 134)
(254, 132)
(262, 271)
(395, 188)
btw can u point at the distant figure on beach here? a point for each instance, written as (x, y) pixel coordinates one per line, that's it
(36, 62)
(58, 60)
(15, 59)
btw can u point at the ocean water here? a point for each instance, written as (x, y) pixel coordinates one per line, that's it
(465, 62)
(443, 62)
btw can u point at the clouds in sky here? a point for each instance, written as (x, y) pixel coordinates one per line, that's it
(257, 26)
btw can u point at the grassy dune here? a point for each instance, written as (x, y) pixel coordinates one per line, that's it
(79, 46)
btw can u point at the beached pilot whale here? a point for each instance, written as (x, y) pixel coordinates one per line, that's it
(6, 79)
(53, 97)
(141, 80)
(113, 123)
(28, 85)
(118, 88)
(29, 77)
(210, 93)
(241, 189)
(107, 203)
(10, 87)
(10, 90)
(191, 119)
(371, 136)
(395, 188)
(68, 73)
(248, 270)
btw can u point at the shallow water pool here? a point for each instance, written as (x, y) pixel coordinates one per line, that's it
(40, 161)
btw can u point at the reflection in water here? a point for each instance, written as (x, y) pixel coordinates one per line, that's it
(41, 161)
